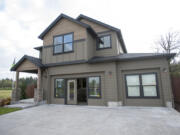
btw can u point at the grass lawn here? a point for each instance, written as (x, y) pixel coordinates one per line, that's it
(5, 93)
(8, 110)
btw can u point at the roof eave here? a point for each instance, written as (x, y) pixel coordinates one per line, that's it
(41, 36)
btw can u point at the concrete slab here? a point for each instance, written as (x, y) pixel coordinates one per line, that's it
(25, 103)
(88, 120)
(20, 105)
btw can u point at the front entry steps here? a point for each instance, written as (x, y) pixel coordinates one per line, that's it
(23, 104)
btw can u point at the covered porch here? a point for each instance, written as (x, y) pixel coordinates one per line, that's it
(28, 64)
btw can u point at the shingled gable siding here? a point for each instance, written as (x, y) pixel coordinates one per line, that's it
(80, 47)
(146, 66)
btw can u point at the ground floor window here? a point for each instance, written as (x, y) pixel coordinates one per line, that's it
(94, 89)
(142, 85)
(59, 88)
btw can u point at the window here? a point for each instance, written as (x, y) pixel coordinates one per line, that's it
(106, 42)
(63, 43)
(142, 85)
(149, 85)
(133, 85)
(94, 87)
(59, 88)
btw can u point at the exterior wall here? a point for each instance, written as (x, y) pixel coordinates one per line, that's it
(79, 53)
(84, 43)
(107, 71)
(146, 66)
(113, 81)
(91, 46)
(113, 51)
(26, 65)
(62, 27)
(80, 45)
(101, 30)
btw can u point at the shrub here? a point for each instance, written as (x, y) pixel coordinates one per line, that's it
(5, 101)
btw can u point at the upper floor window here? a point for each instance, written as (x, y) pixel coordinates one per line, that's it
(106, 42)
(63, 43)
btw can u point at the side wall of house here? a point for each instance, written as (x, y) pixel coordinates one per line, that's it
(159, 66)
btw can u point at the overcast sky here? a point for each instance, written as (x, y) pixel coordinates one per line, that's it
(141, 23)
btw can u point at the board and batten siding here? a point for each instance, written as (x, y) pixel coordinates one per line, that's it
(158, 66)
(79, 53)
(65, 26)
(62, 27)
(26, 65)
(107, 71)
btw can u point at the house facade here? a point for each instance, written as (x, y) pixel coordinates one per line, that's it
(85, 61)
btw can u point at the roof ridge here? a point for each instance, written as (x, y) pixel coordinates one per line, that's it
(87, 17)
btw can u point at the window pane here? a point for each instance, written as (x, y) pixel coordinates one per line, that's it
(68, 47)
(59, 88)
(107, 41)
(133, 91)
(150, 91)
(68, 38)
(58, 49)
(58, 40)
(149, 79)
(132, 80)
(94, 92)
(94, 86)
(94, 82)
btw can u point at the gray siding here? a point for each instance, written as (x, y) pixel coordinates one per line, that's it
(114, 50)
(107, 71)
(145, 66)
(78, 54)
(112, 80)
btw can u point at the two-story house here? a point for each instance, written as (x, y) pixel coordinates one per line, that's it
(85, 61)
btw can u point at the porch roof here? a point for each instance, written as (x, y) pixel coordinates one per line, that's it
(35, 61)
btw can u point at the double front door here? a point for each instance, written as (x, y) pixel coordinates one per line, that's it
(71, 91)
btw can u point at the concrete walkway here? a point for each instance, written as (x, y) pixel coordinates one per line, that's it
(87, 120)
(25, 103)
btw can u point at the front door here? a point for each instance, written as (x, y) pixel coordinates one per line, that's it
(72, 91)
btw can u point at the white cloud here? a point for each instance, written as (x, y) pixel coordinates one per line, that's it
(141, 22)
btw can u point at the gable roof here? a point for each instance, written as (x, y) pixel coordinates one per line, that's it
(34, 60)
(118, 31)
(88, 27)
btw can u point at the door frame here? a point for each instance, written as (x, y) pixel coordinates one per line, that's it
(66, 88)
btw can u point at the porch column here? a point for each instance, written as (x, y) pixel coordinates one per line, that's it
(38, 93)
(16, 91)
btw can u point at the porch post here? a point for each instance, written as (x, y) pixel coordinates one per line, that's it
(38, 93)
(16, 91)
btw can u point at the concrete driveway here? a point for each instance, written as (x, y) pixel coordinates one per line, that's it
(84, 120)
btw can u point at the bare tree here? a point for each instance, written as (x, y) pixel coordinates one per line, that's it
(169, 43)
